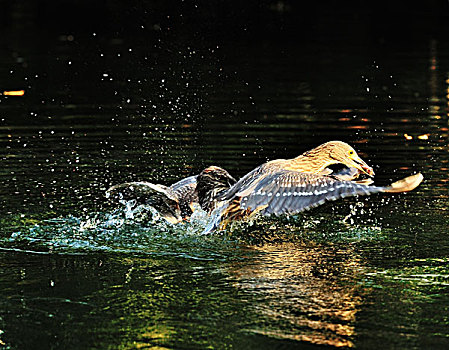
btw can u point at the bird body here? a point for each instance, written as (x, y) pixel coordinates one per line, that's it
(176, 202)
(291, 186)
(315, 161)
(281, 186)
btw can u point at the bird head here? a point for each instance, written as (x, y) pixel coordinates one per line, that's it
(216, 176)
(210, 182)
(335, 152)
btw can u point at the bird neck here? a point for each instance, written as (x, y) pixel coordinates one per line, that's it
(309, 164)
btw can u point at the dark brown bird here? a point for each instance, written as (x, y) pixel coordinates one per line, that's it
(212, 182)
(294, 185)
(176, 202)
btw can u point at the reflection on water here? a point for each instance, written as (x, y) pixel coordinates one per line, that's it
(305, 293)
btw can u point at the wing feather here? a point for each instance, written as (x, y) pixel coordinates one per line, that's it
(246, 184)
(291, 192)
(184, 185)
(160, 197)
(185, 191)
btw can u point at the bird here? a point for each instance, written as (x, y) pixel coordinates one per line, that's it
(290, 186)
(211, 183)
(176, 203)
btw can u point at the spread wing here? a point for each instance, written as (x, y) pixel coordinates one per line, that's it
(292, 192)
(160, 197)
(173, 203)
(346, 173)
(254, 176)
(349, 174)
(140, 191)
(184, 185)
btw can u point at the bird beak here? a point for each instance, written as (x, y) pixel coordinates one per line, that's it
(358, 163)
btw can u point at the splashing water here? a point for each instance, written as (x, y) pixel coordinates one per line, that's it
(131, 229)
(141, 229)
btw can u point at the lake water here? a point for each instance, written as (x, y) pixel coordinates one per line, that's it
(75, 272)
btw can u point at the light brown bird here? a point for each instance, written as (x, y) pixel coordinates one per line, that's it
(294, 185)
(176, 202)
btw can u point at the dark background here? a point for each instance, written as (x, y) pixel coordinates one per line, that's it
(228, 20)
(55, 45)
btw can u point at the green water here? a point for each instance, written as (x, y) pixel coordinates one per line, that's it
(76, 273)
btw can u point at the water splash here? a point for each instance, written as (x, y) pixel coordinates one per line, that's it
(140, 229)
(303, 227)
(131, 229)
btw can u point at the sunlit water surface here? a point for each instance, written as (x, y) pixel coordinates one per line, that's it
(77, 272)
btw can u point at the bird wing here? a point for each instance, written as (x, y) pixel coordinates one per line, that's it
(350, 174)
(186, 194)
(141, 191)
(160, 197)
(187, 182)
(247, 182)
(347, 173)
(292, 192)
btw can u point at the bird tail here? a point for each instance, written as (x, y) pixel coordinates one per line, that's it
(407, 184)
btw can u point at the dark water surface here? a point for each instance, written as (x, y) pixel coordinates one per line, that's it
(76, 272)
